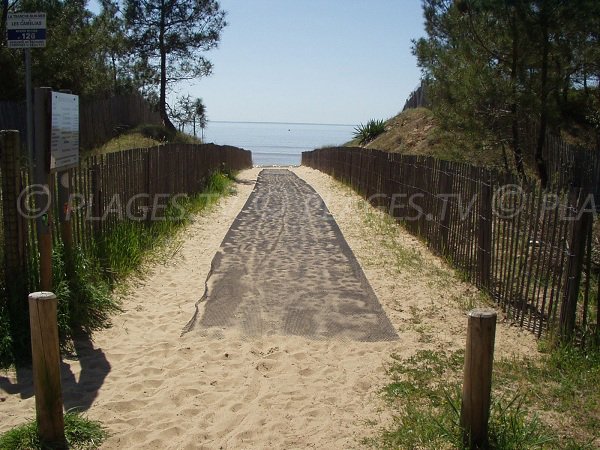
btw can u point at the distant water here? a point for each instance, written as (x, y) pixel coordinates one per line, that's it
(279, 144)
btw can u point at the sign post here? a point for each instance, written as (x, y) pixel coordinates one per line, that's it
(27, 31)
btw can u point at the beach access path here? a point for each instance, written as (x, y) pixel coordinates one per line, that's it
(248, 381)
(285, 268)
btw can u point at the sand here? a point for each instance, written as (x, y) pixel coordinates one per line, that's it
(153, 388)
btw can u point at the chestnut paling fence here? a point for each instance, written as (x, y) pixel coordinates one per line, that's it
(530, 249)
(104, 191)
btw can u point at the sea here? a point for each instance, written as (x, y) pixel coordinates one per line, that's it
(277, 143)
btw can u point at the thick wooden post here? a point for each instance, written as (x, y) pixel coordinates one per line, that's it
(477, 383)
(12, 220)
(579, 234)
(46, 368)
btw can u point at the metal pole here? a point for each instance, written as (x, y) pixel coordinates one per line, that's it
(29, 100)
(43, 180)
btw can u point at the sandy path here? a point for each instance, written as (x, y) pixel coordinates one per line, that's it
(166, 391)
(285, 268)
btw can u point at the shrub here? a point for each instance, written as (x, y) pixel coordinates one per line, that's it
(366, 133)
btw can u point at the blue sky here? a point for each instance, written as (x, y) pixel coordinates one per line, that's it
(317, 61)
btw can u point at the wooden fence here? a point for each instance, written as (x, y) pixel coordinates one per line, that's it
(417, 98)
(99, 119)
(529, 249)
(106, 190)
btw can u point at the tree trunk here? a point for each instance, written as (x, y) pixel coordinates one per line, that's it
(114, 70)
(162, 103)
(505, 158)
(516, 144)
(539, 156)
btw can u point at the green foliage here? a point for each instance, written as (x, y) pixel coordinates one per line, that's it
(366, 133)
(82, 52)
(493, 67)
(123, 250)
(85, 301)
(565, 381)
(83, 282)
(190, 111)
(425, 396)
(170, 37)
(81, 434)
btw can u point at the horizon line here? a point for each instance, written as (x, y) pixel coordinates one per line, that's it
(284, 123)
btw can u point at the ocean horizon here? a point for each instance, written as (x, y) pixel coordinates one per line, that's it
(277, 143)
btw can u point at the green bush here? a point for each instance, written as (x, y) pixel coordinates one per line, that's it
(366, 133)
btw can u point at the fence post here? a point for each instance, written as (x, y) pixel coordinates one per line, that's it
(579, 234)
(97, 210)
(445, 187)
(46, 369)
(477, 383)
(14, 239)
(484, 245)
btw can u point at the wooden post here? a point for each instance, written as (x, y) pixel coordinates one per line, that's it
(477, 383)
(41, 177)
(12, 220)
(445, 188)
(46, 368)
(579, 234)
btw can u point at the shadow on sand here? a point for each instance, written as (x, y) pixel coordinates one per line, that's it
(78, 395)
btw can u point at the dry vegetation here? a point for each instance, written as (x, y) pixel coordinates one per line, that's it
(416, 132)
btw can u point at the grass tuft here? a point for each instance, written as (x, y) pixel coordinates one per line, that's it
(81, 434)
(425, 396)
(366, 133)
(123, 250)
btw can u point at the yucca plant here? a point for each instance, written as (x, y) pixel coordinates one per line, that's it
(366, 133)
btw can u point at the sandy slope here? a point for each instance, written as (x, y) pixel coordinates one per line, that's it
(153, 388)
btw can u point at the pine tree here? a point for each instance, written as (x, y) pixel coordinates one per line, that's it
(170, 36)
